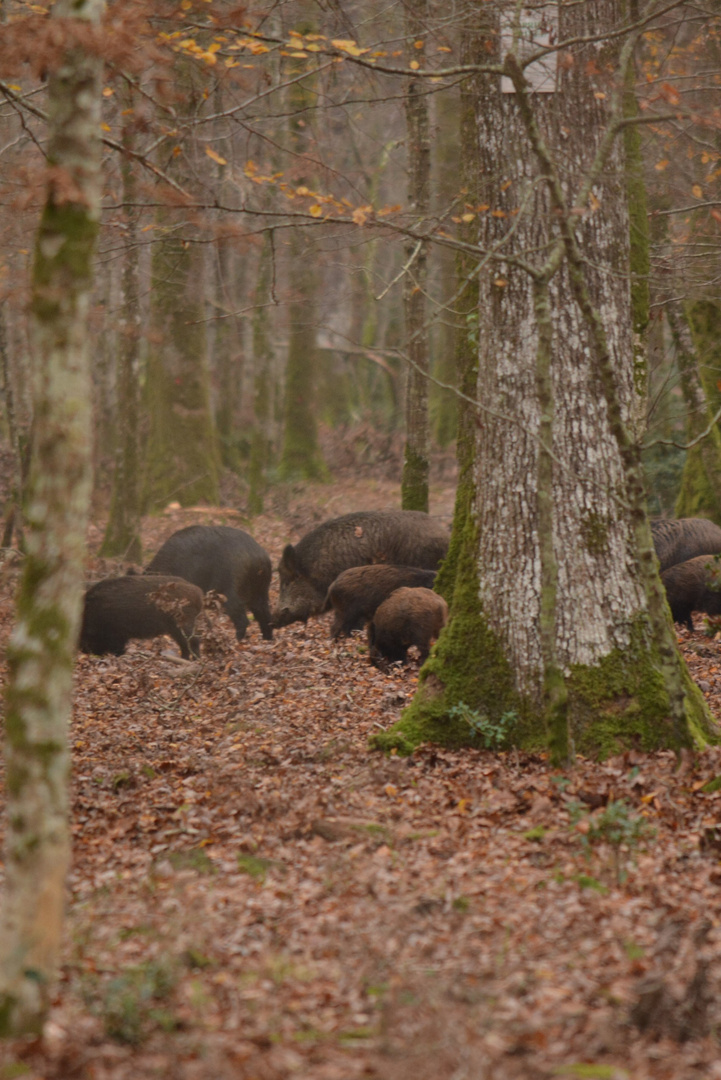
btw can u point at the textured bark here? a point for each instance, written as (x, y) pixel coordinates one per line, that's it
(300, 456)
(414, 485)
(122, 535)
(466, 343)
(182, 456)
(261, 444)
(42, 647)
(700, 492)
(613, 643)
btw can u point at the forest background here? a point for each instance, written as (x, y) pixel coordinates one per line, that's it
(260, 214)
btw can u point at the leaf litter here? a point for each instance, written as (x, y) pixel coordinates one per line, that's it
(255, 894)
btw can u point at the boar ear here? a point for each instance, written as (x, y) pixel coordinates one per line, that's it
(288, 560)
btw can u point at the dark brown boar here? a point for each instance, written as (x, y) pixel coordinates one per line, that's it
(140, 606)
(677, 540)
(694, 585)
(408, 617)
(356, 593)
(307, 570)
(227, 560)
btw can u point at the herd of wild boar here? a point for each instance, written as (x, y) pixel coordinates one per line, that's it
(373, 568)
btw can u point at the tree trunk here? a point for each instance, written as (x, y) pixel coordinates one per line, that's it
(700, 492)
(300, 456)
(122, 535)
(261, 444)
(416, 465)
(568, 590)
(182, 457)
(473, 35)
(42, 648)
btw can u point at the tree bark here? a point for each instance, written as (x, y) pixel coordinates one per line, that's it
(700, 492)
(567, 591)
(122, 535)
(42, 647)
(300, 456)
(416, 465)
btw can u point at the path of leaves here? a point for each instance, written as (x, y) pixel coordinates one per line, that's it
(256, 895)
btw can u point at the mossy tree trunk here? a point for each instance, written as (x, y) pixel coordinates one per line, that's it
(261, 444)
(472, 39)
(122, 535)
(12, 514)
(416, 464)
(558, 619)
(300, 456)
(41, 653)
(182, 457)
(700, 492)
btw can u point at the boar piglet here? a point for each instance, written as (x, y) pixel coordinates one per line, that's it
(694, 585)
(140, 606)
(677, 540)
(227, 560)
(307, 570)
(356, 593)
(408, 617)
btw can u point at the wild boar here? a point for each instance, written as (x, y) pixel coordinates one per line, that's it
(408, 617)
(694, 585)
(677, 540)
(140, 606)
(356, 593)
(402, 537)
(227, 560)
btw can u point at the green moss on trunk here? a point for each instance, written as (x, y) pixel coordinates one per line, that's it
(414, 489)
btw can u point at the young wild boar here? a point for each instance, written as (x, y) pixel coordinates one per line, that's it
(694, 585)
(122, 608)
(227, 560)
(356, 593)
(403, 537)
(408, 617)
(677, 540)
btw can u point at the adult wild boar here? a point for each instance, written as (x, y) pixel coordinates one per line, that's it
(140, 606)
(694, 585)
(227, 560)
(677, 540)
(408, 617)
(403, 537)
(356, 593)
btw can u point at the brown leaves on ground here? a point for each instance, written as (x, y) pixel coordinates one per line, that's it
(255, 894)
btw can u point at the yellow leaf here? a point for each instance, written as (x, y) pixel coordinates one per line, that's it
(15, 87)
(506, 184)
(186, 5)
(391, 790)
(443, 48)
(106, 127)
(600, 95)
(360, 214)
(661, 165)
(467, 217)
(108, 91)
(299, 55)
(498, 213)
(215, 157)
(500, 282)
(414, 65)
(177, 151)
(316, 211)
(349, 47)
(698, 191)
(230, 62)
(313, 48)
(302, 190)
(593, 202)
(418, 44)
(463, 805)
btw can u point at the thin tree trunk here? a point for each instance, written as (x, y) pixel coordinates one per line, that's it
(122, 535)
(416, 465)
(41, 651)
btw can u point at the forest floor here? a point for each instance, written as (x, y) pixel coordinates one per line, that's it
(257, 895)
